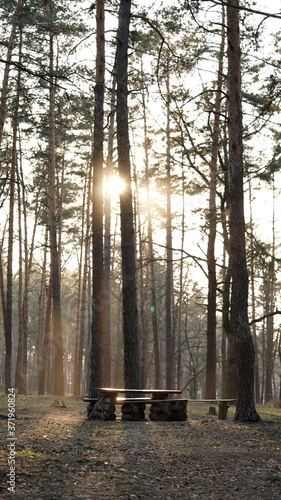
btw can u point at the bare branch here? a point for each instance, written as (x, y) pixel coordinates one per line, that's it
(264, 317)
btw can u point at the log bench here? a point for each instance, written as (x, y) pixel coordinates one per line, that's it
(162, 408)
(222, 403)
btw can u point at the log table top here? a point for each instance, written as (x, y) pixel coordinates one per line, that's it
(155, 393)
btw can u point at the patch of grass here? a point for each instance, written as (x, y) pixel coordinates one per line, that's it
(272, 479)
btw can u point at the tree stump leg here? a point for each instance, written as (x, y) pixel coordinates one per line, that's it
(223, 407)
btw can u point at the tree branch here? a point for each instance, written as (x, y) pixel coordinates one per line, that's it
(264, 317)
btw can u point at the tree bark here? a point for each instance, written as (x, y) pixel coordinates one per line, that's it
(79, 361)
(4, 90)
(153, 307)
(41, 302)
(170, 345)
(107, 232)
(45, 358)
(76, 376)
(179, 355)
(98, 312)
(20, 282)
(245, 405)
(253, 300)
(55, 260)
(211, 360)
(132, 373)
(9, 291)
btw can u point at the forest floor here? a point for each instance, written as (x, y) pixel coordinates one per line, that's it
(61, 455)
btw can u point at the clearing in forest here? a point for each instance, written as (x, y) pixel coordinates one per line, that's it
(60, 455)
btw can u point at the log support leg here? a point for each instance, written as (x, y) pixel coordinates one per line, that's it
(223, 407)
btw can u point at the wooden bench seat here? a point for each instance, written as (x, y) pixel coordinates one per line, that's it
(223, 404)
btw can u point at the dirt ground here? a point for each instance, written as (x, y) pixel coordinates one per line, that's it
(60, 455)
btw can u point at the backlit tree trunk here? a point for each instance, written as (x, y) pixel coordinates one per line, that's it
(8, 312)
(170, 345)
(4, 90)
(132, 373)
(97, 327)
(211, 362)
(55, 261)
(153, 307)
(245, 405)
(107, 231)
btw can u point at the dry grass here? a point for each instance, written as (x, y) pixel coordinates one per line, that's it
(60, 455)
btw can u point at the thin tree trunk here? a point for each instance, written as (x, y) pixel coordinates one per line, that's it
(153, 307)
(76, 376)
(28, 259)
(211, 361)
(223, 340)
(55, 259)
(45, 361)
(2, 287)
(179, 357)
(107, 234)
(269, 320)
(41, 302)
(9, 293)
(170, 347)
(98, 313)
(230, 368)
(20, 282)
(253, 298)
(4, 90)
(245, 405)
(132, 373)
(83, 291)
(141, 286)
(279, 352)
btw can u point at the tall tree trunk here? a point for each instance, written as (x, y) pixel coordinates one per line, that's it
(230, 369)
(141, 280)
(2, 286)
(9, 293)
(245, 405)
(269, 320)
(97, 328)
(41, 302)
(4, 90)
(55, 259)
(153, 307)
(22, 386)
(253, 300)
(107, 233)
(170, 346)
(76, 376)
(20, 281)
(132, 373)
(211, 361)
(279, 352)
(45, 358)
(179, 356)
(79, 360)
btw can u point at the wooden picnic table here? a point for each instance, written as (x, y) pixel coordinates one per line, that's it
(133, 407)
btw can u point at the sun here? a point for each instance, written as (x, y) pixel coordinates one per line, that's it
(116, 186)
